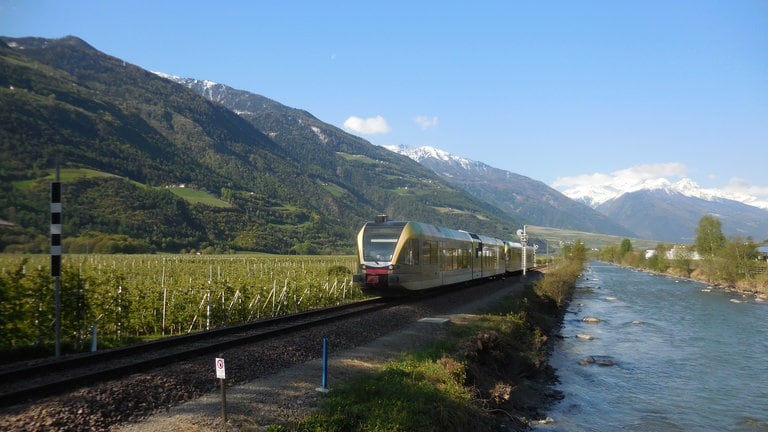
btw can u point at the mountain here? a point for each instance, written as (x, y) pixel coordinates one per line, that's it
(522, 197)
(594, 195)
(327, 153)
(659, 209)
(669, 215)
(149, 164)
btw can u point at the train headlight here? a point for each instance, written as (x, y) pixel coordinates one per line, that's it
(392, 266)
(362, 266)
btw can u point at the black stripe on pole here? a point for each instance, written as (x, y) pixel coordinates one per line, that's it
(55, 229)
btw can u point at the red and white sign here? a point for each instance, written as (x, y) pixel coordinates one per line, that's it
(220, 373)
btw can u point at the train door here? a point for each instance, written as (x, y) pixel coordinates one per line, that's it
(430, 264)
(477, 256)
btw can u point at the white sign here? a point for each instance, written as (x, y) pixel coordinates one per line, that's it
(220, 374)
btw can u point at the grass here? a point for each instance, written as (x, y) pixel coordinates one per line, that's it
(194, 196)
(358, 158)
(65, 175)
(335, 190)
(421, 391)
(68, 175)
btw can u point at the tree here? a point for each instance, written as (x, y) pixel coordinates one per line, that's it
(626, 246)
(709, 241)
(709, 236)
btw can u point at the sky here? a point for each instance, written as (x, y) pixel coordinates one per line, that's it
(560, 91)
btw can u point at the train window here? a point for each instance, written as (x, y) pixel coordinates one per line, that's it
(449, 261)
(430, 252)
(379, 242)
(409, 254)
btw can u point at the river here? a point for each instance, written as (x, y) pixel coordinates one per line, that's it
(685, 357)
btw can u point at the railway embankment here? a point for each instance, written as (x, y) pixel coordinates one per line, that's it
(490, 371)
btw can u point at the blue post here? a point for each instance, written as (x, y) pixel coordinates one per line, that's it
(93, 338)
(324, 387)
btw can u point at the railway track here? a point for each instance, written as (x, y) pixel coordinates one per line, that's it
(21, 383)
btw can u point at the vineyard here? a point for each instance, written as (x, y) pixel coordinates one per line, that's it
(128, 298)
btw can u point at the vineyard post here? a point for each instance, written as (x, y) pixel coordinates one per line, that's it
(165, 296)
(94, 343)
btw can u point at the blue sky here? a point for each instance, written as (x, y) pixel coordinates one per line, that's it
(559, 91)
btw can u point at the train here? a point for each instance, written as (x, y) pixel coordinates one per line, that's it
(401, 257)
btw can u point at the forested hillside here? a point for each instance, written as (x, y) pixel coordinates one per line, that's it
(131, 144)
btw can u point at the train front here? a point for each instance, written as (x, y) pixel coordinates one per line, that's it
(376, 248)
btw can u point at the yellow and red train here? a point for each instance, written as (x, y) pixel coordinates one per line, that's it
(396, 257)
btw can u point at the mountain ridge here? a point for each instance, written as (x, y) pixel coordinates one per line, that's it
(293, 183)
(516, 194)
(595, 195)
(651, 209)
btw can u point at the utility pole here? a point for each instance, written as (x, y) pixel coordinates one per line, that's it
(523, 240)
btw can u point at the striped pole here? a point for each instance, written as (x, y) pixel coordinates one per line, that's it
(56, 254)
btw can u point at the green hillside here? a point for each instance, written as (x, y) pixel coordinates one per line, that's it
(149, 162)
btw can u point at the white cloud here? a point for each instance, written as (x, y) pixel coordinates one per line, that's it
(425, 122)
(633, 175)
(755, 195)
(367, 126)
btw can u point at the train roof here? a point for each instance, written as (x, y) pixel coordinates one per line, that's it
(439, 231)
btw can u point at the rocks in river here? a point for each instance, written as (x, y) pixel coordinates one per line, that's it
(591, 319)
(637, 322)
(584, 336)
(597, 360)
(546, 421)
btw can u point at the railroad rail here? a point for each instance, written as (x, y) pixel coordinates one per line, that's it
(21, 383)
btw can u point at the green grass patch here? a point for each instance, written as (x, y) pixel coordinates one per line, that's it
(420, 392)
(65, 175)
(194, 196)
(335, 190)
(357, 158)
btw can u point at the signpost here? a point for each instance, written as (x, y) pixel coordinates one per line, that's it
(324, 387)
(221, 374)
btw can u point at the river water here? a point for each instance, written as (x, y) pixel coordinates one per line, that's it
(685, 357)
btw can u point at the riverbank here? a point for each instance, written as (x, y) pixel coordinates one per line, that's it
(757, 288)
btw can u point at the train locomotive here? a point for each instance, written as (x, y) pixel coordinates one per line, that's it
(398, 257)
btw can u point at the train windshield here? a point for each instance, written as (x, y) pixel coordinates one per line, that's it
(379, 242)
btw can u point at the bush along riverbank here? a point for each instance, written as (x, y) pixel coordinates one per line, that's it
(492, 373)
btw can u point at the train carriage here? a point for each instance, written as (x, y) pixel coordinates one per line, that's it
(396, 257)
(514, 257)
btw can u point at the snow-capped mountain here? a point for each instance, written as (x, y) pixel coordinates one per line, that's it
(654, 209)
(596, 195)
(659, 209)
(420, 154)
(520, 196)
